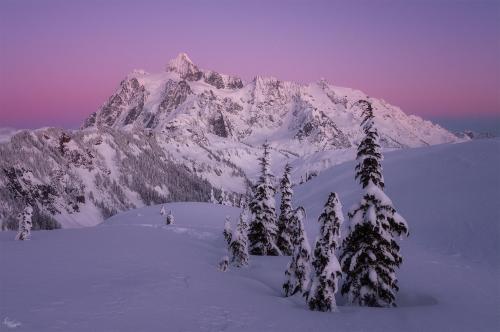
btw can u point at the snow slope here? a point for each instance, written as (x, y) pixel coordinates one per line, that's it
(132, 273)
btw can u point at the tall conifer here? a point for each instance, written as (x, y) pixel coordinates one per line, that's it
(263, 228)
(370, 254)
(298, 271)
(284, 240)
(239, 243)
(25, 224)
(326, 267)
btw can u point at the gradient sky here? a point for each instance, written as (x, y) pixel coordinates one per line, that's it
(60, 60)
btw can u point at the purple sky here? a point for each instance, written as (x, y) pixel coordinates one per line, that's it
(60, 60)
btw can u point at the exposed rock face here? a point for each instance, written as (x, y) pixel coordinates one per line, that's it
(234, 83)
(320, 130)
(175, 94)
(215, 79)
(122, 108)
(220, 127)
(90, 121)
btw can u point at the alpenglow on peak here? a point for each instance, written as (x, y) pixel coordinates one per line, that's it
(183, 65)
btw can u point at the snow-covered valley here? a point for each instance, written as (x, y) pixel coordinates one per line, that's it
(134, 273)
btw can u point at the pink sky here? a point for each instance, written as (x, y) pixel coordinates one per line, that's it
(60, 60)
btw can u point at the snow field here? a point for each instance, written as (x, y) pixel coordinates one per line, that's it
(134, 273)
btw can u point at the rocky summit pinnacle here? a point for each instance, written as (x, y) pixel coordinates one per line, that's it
(186, 69)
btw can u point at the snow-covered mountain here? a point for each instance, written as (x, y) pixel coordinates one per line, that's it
(314, 126)
(174, 135)
(197, 104)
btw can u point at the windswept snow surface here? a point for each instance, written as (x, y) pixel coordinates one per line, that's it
(134, 273)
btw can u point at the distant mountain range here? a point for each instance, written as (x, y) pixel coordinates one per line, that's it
(177, 135)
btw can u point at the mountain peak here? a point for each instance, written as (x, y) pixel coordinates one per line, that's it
(180, 60)
(183, 65)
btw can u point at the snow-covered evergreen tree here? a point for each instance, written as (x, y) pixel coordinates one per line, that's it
(222, 197)
(326, 268)
(228, 237)
(25, 224)
(263, 228)
(243, 201)
(298, 271)
(228, 233)
(170, 218)
(224, 264)
(284, 237)
(370, 255)
(225, 199)
(239, 243)
(369, 157)
(163, 211)
(213, 200)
